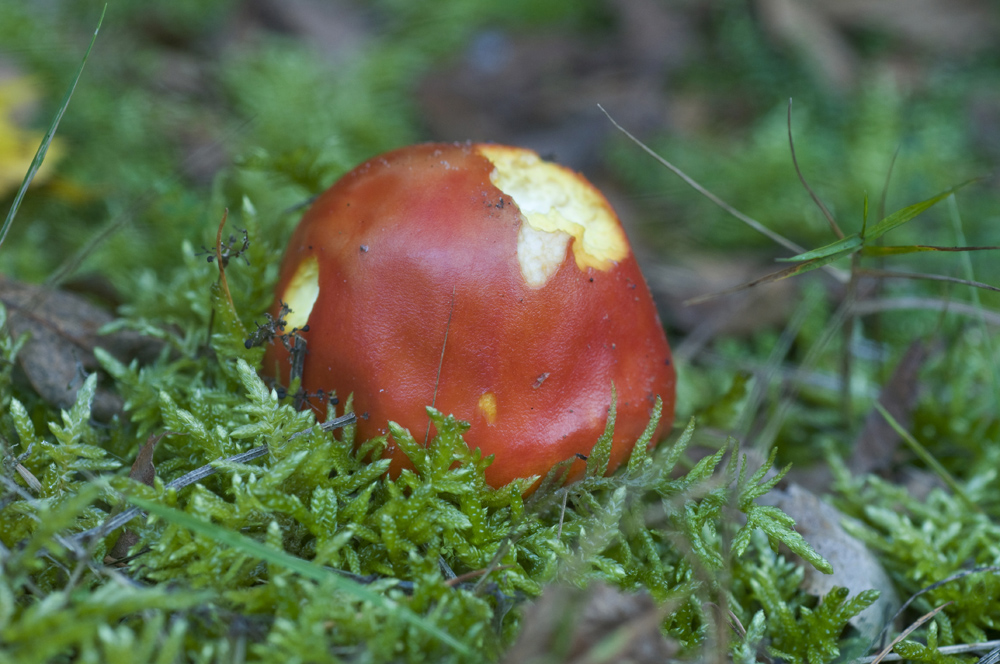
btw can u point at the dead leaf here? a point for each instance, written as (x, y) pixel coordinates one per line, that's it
(805, 27)
(945, 27)
(596, 624)
(876, 445)
(28, 477)
(64, 332)
(823, 31)
(142, 471)
(854, 567)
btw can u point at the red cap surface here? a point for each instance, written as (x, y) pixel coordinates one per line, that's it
(526, 269)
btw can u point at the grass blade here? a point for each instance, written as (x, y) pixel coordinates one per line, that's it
(915, 248)
(857, 240)
(926, 457)
(36, 163)
(900, 217)
(297, 565)
(956, 220)
(848, 244)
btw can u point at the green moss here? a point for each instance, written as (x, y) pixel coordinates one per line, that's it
(311, 553)
(314, 497)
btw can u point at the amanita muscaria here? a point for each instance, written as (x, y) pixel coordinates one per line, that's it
(480, 279)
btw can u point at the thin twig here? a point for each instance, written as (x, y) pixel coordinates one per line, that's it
(338, 422)
(223, 282)
(344, 420)
(991, 657)
(476, 573)
(194, 476)
(437, 381)
(933, 586)
(495, 561)
(896, 274)
(838, 274)
(874, 306)
(946, 650)
(906, 632)
(562, 513)
(795, 162)
(731, 618)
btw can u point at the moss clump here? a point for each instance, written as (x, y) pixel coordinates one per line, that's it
(440, 558)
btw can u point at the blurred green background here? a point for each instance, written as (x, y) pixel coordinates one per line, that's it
(189, 107)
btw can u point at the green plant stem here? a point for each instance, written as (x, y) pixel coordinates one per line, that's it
(970, 275)
(926, 457)
(36, 163)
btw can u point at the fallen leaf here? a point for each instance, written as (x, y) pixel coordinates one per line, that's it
(876, 445)
(64, 331)
(805, 27)
(854, 567)
(142, 471)
(596, 624)
(945, 27)
(825, 32)
(28, 477)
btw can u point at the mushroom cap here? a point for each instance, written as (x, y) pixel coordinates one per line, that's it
(486, 282)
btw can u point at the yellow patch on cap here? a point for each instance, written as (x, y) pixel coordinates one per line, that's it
(556, 204)
(302, 291)
(488, 407)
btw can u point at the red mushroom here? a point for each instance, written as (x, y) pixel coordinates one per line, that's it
(478, 278)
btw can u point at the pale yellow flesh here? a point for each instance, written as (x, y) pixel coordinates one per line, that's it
(556, 205)
(302, 291)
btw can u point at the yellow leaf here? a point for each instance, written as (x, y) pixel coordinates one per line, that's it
(18, 145)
